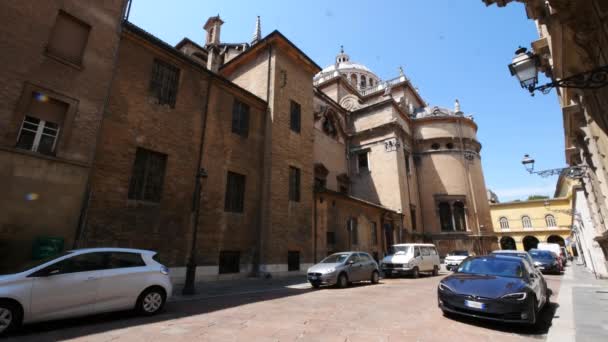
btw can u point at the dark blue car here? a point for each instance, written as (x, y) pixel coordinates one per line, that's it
(494, 287)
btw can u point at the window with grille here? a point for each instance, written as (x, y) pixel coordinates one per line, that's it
(240, 118)
(354, 231)
(164, 82)
(413, 216)
(504, 223)
(229, 262)
(550, 220)
(526, 222)
(235, 193)
(148, 176)
(295, 117)
(293, 261)
(68, 38)
(294, 184)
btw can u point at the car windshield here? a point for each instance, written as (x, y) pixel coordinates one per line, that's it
(30, 264)
(492, 266)
(458, 253)
(335, 258)
(541, 255)
(400, 249)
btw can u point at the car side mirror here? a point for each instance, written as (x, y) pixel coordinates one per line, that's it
(350, 262)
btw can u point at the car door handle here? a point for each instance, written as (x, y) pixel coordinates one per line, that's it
(91, 278)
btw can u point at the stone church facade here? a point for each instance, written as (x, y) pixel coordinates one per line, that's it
(294, 161)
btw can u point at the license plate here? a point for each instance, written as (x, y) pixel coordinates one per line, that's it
(395, 271)
(313, 277)
(474, 304)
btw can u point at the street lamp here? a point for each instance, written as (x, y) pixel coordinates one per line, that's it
(191, 265)
(525, 67)
(574, 172)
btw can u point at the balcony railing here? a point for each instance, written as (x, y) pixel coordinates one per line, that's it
(326, 76)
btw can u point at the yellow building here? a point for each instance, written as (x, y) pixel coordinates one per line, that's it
(522, 225)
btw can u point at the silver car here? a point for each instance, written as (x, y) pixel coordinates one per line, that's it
(343, 269)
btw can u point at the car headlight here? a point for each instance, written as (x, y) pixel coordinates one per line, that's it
(443, 287)
(537, 263)
(515, 296)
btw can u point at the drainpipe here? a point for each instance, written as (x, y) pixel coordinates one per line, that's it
(81, 231)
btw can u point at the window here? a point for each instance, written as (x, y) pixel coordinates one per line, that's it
(445, 217)
(550, 220)
(526, 222)
(374, 233)
(362, 162)
(320, 183)
(433, 250)
(229, 262)
(354, 231)
(449, 146)
(81, 263)
(163, 85)
(148, 175)
(294, 184)
(435, 146)
(68, 38)
(363, 82)
(293, 261)
(407, 163)
(125, 260)
(343, 189)
(425, 251)
(417, 252)
(364, 257)
(504, 223)
(240, 118)
(459, 217)
(295, 117)
(42, 123)
(413, 216)
(235, 192)
(331, 238)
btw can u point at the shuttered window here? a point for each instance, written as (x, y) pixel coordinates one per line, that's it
(68, 38)
(294, 184)
(240, 118)
(295, 117)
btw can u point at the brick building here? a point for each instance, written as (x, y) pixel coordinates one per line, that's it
(299, 161)
(57, 62)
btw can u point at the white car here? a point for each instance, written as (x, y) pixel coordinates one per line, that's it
(411, 258)
(454, 258)
(83, 282)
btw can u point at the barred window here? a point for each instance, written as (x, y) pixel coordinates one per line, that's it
(550, 220)
(295, 117)
(413, 216)
(235, 193)
(331, 238)
(163, 85)
(240, 118)
(38, 135)
(294, 184)
(229, 262)
(526, 222)
(293, 261)
(148, 175)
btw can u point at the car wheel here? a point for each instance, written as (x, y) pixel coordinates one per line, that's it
(151, 301)
(316, 286)
(415, 273)
(435, 271)
(342, 281)
(10, 316)
(375, 277)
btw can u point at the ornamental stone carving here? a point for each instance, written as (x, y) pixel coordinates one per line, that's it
(350, 102)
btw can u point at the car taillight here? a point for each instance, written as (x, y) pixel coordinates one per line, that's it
(164, 270)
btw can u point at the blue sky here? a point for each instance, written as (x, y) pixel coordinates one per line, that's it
(449, 49)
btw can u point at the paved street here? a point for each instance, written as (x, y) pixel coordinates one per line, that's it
(395, 310)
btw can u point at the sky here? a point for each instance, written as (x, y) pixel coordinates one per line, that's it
(450, 49)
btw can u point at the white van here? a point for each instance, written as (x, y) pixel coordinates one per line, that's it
(411, 258)
(555, 248)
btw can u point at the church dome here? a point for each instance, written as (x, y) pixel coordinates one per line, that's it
(357, 74)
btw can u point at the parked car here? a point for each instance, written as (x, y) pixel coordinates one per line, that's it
(519, 254)
(494, 287)
(83, 282)
(411, 258)
(545, 261)
(566, 253)
(555, 248)
(344, 268)
(454, 258)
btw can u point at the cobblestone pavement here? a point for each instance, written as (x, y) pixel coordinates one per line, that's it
(394, 310)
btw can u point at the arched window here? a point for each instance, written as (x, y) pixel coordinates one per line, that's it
(459, 218)
(363, 82)
(504, 223)
(445, 217)
(526, 222)
(353, 79)
(371, 82)
(550, 220)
